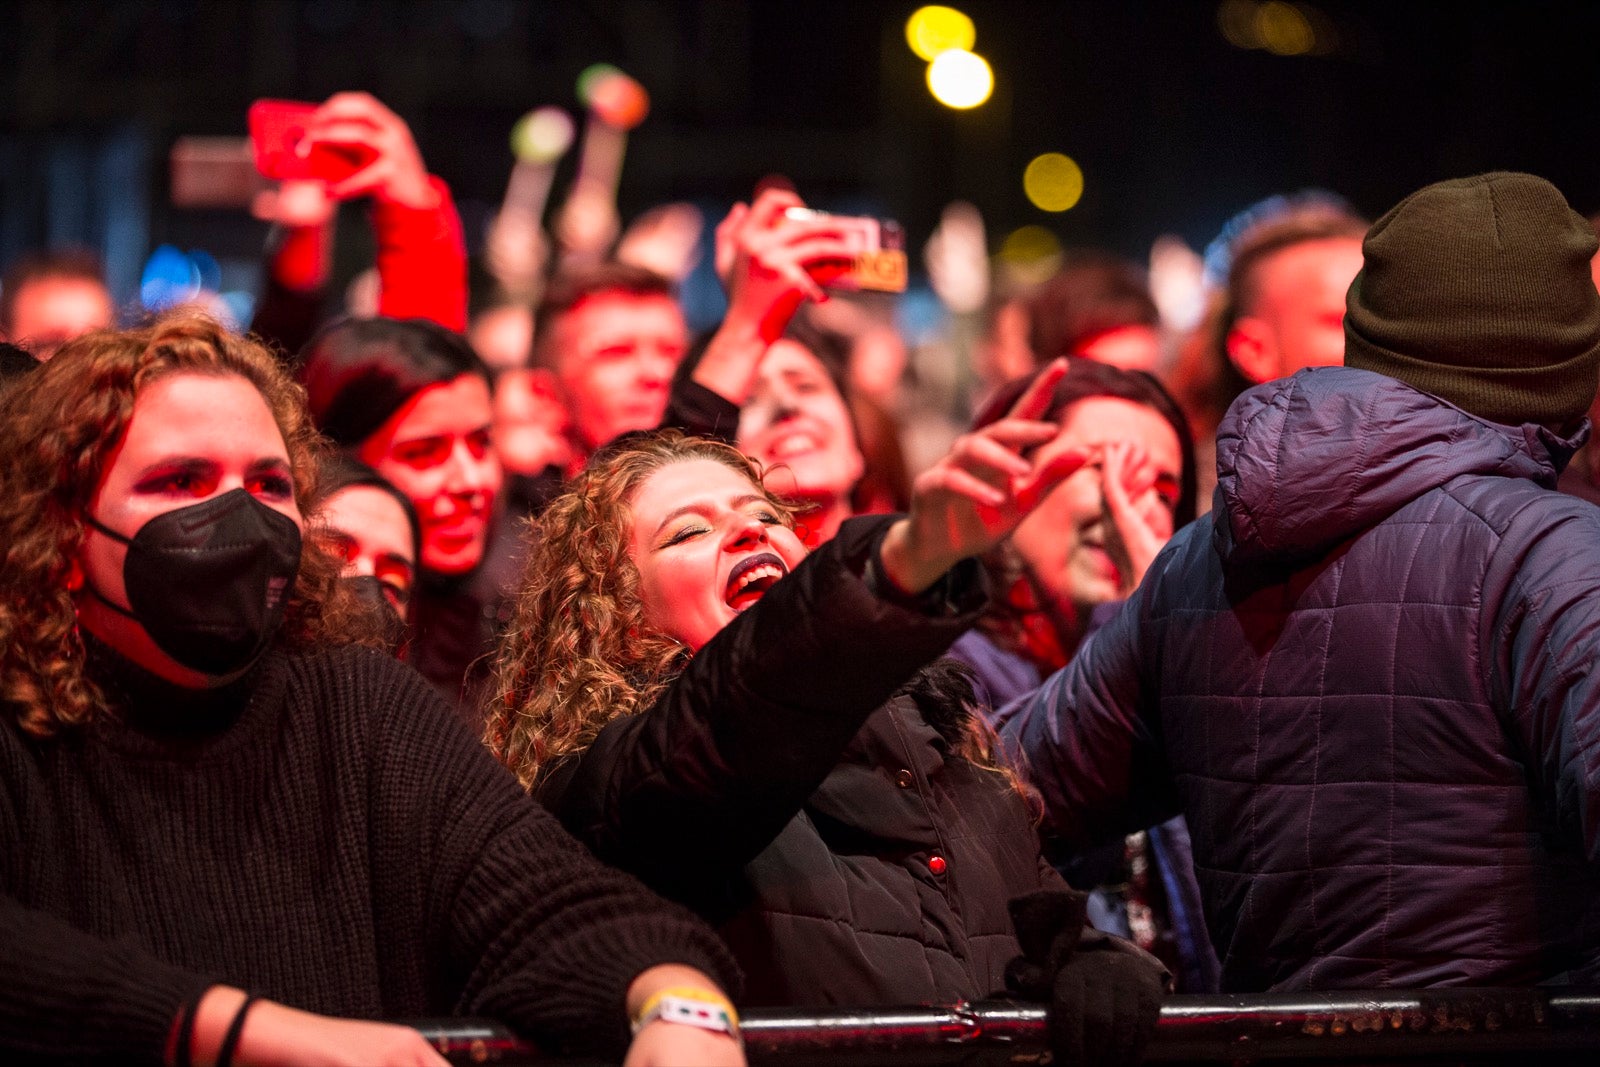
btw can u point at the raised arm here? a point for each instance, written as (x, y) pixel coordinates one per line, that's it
(695, 787)
(422, 259)
(1085, 740)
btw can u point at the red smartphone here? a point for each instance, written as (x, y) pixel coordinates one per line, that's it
(277, 142)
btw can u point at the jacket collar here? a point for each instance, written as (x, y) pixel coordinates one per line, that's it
(1309, 460)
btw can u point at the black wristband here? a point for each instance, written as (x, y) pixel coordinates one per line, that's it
(230, 1040)
(182, 1055)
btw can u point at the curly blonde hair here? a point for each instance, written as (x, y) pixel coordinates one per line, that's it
(578, 652)
(59, 426)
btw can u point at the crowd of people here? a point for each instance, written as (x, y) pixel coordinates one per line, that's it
(557, 666)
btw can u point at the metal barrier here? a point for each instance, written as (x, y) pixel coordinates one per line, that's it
(1449, 1025)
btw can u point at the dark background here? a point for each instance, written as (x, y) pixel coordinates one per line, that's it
(1174, 127)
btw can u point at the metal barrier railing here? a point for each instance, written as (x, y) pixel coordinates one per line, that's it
(1456, 1025)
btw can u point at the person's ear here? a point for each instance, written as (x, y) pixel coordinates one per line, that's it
(74, 580)
(1253, 349)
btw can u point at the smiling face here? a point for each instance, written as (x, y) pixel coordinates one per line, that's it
(707, 543)
(436, 449)
(368, 529)
(614, 354)
(797, 426)
(1064, 542)
(192, 437)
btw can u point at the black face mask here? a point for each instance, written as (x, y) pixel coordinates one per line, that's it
(209, 582)
(369, 591)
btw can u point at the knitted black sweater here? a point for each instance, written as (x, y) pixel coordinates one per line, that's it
(326, 834)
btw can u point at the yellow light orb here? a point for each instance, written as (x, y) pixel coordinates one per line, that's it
(1284, 29)
(1053, 182)
(1237, 21)
(960, 79)
(934, 30)
(1029, 244)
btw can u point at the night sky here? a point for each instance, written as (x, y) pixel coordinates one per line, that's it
(1175, 128)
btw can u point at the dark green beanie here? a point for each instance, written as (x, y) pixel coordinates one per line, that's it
(1478, 291)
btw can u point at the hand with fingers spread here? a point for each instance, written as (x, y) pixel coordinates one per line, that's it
(1140, 526)
(358, 124)
(977, 494)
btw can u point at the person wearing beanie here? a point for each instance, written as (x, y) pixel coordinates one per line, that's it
(1367, 677)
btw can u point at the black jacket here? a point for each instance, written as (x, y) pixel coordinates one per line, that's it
(790, 790)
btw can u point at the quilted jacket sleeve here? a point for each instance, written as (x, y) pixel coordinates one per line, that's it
(1084, 738)
(1541, 635)
(698, 785)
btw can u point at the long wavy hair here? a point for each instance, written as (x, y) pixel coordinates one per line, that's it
(578, 652)
(59, 426)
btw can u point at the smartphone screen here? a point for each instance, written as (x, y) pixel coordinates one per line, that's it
(278, 143)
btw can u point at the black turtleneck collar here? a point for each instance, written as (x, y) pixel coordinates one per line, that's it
(158, 708)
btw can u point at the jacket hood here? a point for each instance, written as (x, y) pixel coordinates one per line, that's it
(1307, 461)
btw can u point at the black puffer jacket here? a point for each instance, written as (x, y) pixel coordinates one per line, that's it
(793, 789)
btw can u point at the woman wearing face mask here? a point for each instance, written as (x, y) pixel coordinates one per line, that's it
(227, 833)
(749, 730)
(372, 527)
(412, 400)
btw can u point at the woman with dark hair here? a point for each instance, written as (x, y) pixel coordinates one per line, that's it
(1077, 556)
(371, 526)
(1089, 544)
(752, 730)
(227, 832)
(776, 385)
(412, 400)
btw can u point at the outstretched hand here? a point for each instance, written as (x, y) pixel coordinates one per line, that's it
(362, 126)
(976, 495)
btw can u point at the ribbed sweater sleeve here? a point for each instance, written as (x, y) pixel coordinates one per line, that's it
(77, 998)
(548, 939)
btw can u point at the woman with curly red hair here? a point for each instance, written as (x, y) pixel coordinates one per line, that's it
(754, 731)
(228, 832)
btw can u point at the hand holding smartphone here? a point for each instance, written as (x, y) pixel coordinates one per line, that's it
(283, 151)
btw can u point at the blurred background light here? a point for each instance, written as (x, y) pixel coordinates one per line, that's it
(543, 135)
(960, 79)
(1284, 30)
(933, 30)
(591, 77)
(1277, 26)
(1028, 255)
(1053, 182)
(170, 278)
(1237, 21)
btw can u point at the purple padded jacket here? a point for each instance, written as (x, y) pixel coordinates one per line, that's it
(1368, 679)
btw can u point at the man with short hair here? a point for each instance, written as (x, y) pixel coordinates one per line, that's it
(1287, 276)
(609, 337)
(47, 299)
(1368, 677)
